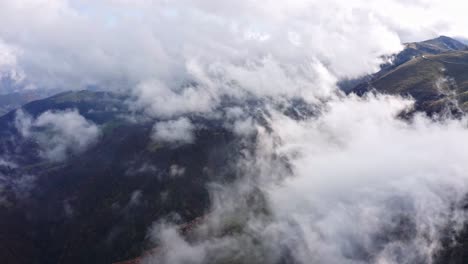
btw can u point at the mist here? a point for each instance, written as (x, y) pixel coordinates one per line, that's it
(58, 134)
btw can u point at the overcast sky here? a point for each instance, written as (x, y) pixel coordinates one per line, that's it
(120, 44)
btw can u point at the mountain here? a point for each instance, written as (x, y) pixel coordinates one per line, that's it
(13, 100)
(435, 46)
(97, 206)
(433, 72)
(411, 50)
(440, 44)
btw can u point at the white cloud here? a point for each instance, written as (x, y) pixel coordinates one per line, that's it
(237, 48)
(365, 187)
(358, 170)
(176, 170)
(159, 100)
(178, 131)
(58, 133)
(9, 65)
(23, 123)
(232, 48)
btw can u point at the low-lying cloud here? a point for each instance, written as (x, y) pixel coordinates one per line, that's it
(364, 187)
(179, 131)
(8, 64)
(371, 187)
(59, 134)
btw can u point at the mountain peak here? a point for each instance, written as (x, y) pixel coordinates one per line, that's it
(443, 44)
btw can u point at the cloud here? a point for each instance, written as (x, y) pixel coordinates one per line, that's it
(353, 184)
(23, 123)
(135, 198)
(240, 122)
(179, 131)
(176, 170)
(9, 64)
(156, 99)
(7, 163)
(360, 164)
(184, 56)
(364, 186)
(188, 52)
(58, 133)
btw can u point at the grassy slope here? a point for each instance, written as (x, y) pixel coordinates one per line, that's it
(420, 76)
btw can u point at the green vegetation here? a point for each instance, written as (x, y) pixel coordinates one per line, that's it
(433, 80)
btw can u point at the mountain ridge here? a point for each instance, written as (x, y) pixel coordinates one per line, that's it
(435, 75)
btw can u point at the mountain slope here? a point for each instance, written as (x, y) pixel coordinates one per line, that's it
(437, 82)
(411, 50)
(97, 207)
(435, 46)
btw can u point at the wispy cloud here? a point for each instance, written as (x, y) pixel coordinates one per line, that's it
(58, 133)
(180, 131)
(365, 187)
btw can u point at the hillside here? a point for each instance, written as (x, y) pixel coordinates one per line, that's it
(435, 81)
(10, 101)
(410, 51)
(97, 206)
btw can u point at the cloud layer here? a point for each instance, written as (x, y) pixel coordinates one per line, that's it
(194, 52)
(363, 187)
